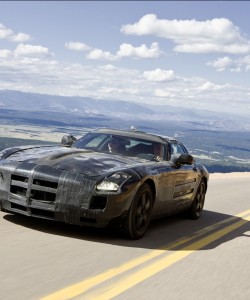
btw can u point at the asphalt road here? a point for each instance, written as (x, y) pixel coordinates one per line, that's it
(177, 259)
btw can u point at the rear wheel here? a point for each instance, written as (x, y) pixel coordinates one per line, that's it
(139, 214)
(196, 208)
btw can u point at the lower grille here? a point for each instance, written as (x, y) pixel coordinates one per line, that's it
(98, 202)
(18, 207)
(42, 213)
(87, 220)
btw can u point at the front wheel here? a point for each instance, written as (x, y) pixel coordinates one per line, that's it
(198, 203)
(139, 214)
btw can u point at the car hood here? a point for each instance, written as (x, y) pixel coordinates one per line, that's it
(70, 159)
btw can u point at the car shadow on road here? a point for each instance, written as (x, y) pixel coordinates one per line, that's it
(161, 233)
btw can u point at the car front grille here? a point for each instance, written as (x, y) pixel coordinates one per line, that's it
(33, 192)
(46, 192)
(39, 190)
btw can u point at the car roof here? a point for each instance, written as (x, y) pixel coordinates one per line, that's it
(136, 134)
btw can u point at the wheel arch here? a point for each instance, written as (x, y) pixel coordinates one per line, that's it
(205, 180)
(151, 183)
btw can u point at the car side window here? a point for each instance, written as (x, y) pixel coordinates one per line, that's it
(177, 148)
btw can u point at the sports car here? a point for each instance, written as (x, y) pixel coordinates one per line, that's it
(108, 176)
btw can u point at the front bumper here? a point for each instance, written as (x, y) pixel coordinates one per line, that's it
(48, 193)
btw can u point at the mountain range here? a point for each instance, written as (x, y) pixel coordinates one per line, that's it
(121, 110)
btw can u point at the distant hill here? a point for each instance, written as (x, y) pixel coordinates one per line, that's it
(121, 110)
(75, 105)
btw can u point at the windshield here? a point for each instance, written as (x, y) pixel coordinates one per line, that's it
(122, 145)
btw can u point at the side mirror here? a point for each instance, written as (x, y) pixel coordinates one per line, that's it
(182, 159)
(68, 140)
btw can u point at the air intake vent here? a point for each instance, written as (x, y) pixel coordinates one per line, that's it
(19, 185)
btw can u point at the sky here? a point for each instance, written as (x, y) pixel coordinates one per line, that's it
(193, 54)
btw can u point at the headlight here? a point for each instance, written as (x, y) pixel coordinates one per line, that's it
(107, 186)
(113, 182)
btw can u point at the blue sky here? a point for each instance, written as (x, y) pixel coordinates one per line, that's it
(192, 54)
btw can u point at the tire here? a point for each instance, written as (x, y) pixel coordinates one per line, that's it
(196, 208)
(138, 218)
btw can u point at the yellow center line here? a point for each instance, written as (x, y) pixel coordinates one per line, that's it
(81, 287)
(146, 272)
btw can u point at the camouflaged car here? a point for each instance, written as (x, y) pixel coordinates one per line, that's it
(105, 177)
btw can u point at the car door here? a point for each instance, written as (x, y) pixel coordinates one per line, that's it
(184, 179)
(163, 178)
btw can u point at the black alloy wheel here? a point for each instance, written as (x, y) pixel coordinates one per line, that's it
(198, 203)
(138, 217)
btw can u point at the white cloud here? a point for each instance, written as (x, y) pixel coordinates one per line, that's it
(164, 93)
(77, 46)
(117, 91)
(232, 65)
(222, 63)
(192, 36)
(5, 53)
(20, 37)
(246, 62)
(40, 73)
(159, 75)
(98, 54)
(199, 93)
(127, 50)
(109, 67)
(31, 50)
(184, 30)
(210, 86)
(213, 48)
(6, 33)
